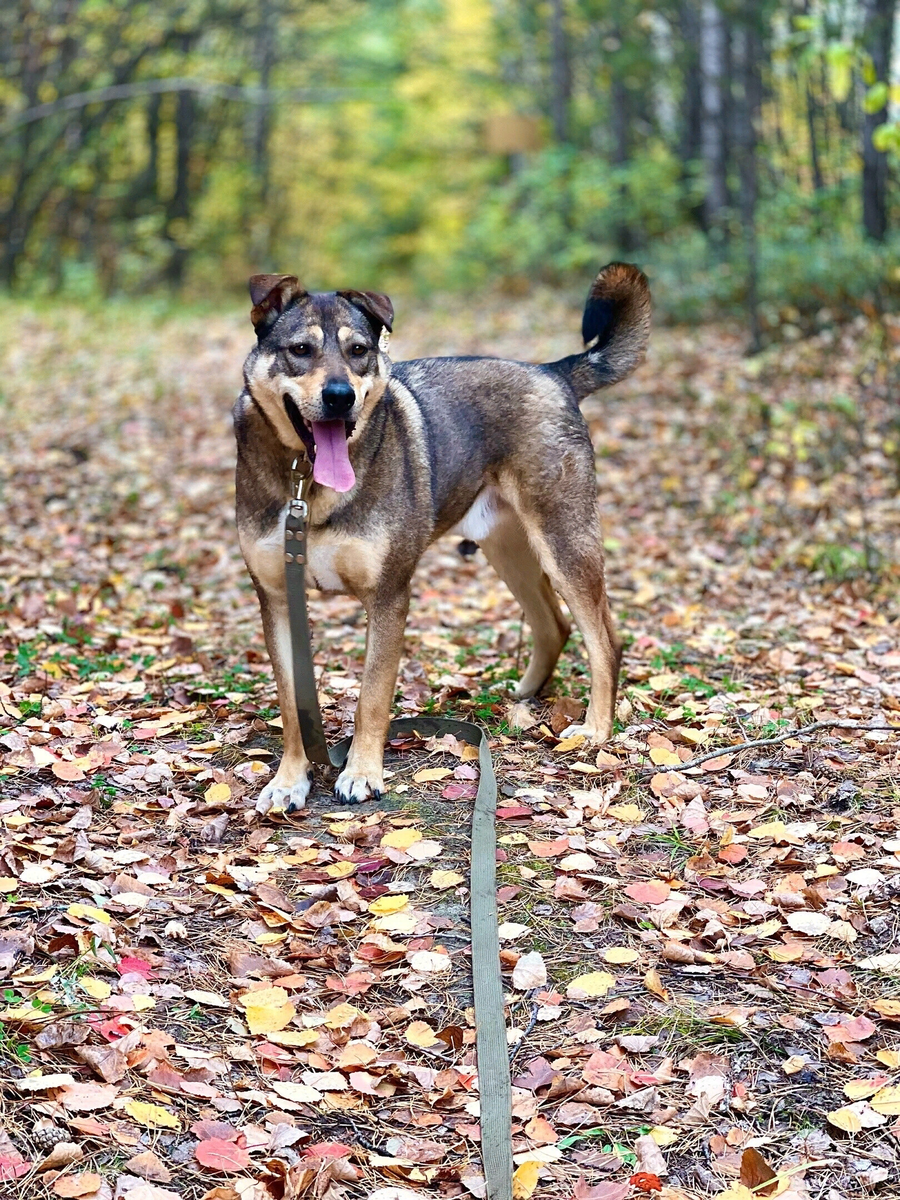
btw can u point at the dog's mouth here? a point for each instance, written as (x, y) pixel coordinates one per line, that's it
(326, 447)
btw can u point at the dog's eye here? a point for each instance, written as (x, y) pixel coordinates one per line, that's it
(301, 349)
(358, 349)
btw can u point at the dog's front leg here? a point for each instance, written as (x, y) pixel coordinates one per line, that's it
(291, 786)
(364, 771)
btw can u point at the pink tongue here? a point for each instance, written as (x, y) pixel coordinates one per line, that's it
(332, 466)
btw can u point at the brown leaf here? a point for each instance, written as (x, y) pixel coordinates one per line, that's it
(108, 1061)
(756, 1172)
(149, 1166)
(77, 1185)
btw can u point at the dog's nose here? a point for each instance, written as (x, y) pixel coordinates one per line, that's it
(338, 398)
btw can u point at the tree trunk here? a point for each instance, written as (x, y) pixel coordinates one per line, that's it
(747, 103)
(261, 118)
(560, 73)
(178, 209)
(691, 148)
(878, 34)
(713, 37)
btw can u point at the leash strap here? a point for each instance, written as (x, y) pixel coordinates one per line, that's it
(495, 1091)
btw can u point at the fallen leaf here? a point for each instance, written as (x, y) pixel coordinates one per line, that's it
(590, 986)
(529, 972)
(82, 1184)
(151, 1114)
(220, 1155)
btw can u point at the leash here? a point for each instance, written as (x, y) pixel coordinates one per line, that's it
(495, 1092)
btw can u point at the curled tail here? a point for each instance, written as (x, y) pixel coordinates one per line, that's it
(615, 328)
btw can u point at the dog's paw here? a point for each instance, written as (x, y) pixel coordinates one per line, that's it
(283, 797)
(354, 785)
(594, 737)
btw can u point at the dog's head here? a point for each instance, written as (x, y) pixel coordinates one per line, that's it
(319, 367)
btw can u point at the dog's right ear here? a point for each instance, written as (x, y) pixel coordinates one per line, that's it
(270, 295)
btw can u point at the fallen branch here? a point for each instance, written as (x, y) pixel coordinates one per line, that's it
(786, 735)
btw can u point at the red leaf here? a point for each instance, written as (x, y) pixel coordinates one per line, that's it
(13, 1166)
(645, 1182)
(327, 1150)
(135, 966)
(652, 891)
(219, 1155)
(509, 814)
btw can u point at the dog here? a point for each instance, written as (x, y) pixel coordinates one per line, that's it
(403, 453)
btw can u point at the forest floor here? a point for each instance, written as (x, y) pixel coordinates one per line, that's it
(702, 962)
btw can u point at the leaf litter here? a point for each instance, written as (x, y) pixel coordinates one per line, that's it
(699, 941)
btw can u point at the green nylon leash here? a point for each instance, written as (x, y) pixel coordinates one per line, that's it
(495, 1091)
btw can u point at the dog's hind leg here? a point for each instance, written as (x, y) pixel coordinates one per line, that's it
(567, 539)
(509, 552)
(386, 610)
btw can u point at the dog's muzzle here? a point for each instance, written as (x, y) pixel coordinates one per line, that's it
(338, 399)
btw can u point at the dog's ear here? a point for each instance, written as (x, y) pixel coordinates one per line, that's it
(270, 296)
(377, 308)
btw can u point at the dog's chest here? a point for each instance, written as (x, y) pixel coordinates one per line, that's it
(322, 557)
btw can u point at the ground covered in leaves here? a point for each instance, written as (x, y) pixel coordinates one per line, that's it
(702, 961)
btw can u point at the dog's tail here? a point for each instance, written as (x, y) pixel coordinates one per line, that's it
(615, 328)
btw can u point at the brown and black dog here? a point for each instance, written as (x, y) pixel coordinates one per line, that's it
(403, 453)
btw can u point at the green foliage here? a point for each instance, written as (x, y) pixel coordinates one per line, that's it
(350, 142)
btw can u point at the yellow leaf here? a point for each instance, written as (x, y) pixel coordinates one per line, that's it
(388, 904)
(587, 987)
(420, 1034)
(861, 1089)
(776, 830)
(342, 1015)
(629, 813)
(654, 984)
(666, 682)
(97, 989)
(846, 1119)
(563, 747)
(430, 775)
(142, 1002)
(663, 1136)
(445, 879)
(887, 1101)
(89, 912)
(151, 1114)
(663, 757)
(737, 1191)
(887, 1008)
(890, 1058)
(402, 839)
(620, 954)
(525, 1180)
(217, 793)
(294, 1037)
(795, 1063)
(401, 922)
(267, 1009)
(340, 870)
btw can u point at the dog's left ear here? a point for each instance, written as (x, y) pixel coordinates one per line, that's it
(377, 308)
(270, 296)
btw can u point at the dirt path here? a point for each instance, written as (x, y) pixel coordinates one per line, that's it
(704, 967)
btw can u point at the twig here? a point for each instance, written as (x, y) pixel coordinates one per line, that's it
(532, 1021)
(813, 727)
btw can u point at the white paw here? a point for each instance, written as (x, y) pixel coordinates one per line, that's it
(280, 797)
(353, 786)
(593, 737)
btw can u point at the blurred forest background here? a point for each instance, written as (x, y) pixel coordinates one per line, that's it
(742, 151)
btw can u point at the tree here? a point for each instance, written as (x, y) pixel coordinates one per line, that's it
(878, 36)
